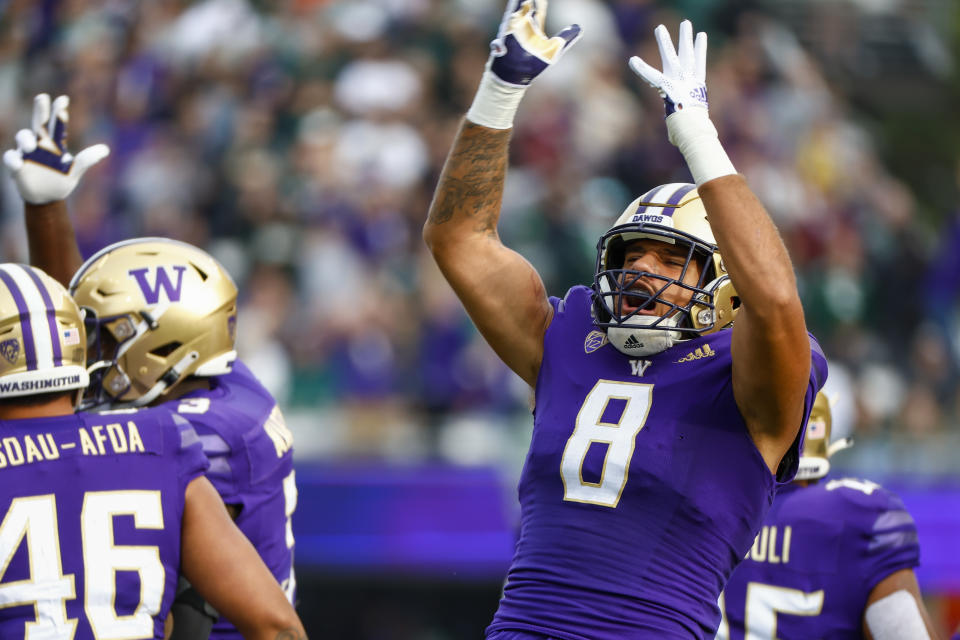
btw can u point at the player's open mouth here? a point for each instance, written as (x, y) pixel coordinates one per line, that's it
(638, 298)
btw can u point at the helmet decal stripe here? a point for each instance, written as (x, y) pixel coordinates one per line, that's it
(679, 193)
(651, 197)
(29, 350)
(39, 312)
(664, 197)
(51, 316)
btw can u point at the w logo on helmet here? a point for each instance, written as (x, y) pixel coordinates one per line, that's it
(162, 280)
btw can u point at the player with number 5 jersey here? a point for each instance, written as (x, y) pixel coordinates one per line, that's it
(670, 395)
(102, 513)
(162, 319)
(834, 559)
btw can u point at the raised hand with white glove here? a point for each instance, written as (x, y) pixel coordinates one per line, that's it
(42, 167)
(682, 85)
(520, 52)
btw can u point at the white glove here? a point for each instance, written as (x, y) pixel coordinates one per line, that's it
(682, 85)
(41, 166)
(520, 52)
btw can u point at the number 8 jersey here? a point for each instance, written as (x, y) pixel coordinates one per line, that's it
(641, 491)
(92, 507)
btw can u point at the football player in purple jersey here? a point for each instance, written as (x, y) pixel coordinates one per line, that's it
(102, 511)
(661, 427)
(834, 559)
(163, 326)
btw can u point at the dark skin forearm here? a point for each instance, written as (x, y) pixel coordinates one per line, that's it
(52, 241)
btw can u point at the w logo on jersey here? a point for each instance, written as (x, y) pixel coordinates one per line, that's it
(161, 280)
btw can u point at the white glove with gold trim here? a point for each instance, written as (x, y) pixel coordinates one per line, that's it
(41, 166)
(520, 52)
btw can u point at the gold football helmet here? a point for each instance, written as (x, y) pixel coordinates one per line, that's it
(158, 311)
(43, 343)
(817, 448)
(672, 213)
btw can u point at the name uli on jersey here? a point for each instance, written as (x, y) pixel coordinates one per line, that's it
(771, 545)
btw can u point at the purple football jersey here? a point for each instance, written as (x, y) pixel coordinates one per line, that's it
(821, 550)
(251, 465)
(641, 490)
(90, 538)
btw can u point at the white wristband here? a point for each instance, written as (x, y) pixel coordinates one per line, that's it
(495, 103)
(896, 616)
(694, 134)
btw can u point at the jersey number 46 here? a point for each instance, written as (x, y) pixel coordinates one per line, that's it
(34, 519)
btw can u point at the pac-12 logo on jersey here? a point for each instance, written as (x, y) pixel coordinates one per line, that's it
(594, 340)
(161, 280)
(10, 349)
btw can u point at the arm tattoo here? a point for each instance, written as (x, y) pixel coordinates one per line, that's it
(291, 634)
(472, 180)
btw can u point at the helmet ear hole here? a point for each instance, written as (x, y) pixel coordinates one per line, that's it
(165, 350)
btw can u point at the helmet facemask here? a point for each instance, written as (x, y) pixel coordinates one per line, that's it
(109, 341)
(664, 214)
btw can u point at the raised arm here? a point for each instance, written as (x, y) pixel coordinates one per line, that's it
(501, 291)
(52, 241)
(770, 347)
(227, 572)
(45, 173)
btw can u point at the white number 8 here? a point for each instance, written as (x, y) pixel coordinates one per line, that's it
(619, 437)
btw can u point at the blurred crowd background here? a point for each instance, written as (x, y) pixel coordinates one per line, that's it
(299, 141)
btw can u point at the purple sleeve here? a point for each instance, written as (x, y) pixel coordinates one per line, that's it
(889, 539)
(191, 461)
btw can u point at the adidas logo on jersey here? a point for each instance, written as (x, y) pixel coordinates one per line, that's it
(701, 352)
(632, 343)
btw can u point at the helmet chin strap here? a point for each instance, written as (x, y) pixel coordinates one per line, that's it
(632, 339)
